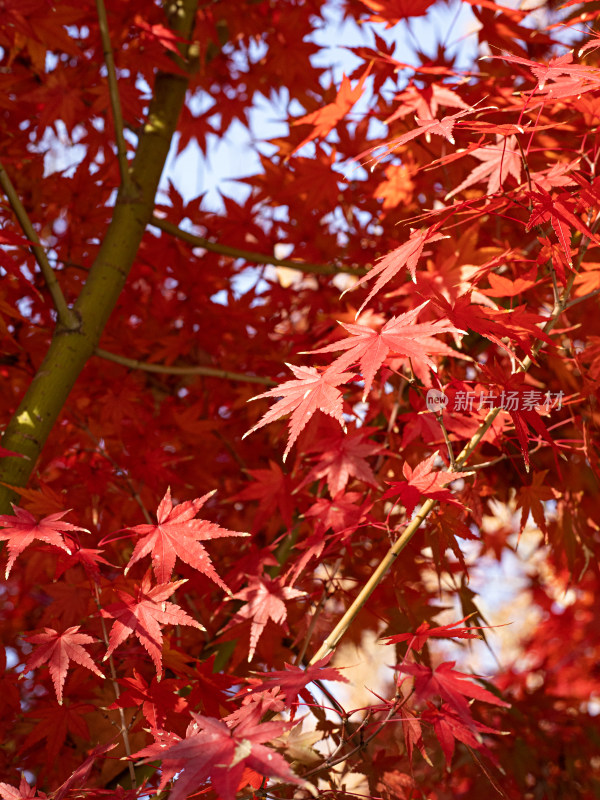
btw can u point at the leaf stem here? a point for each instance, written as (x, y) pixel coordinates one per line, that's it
(117, 691)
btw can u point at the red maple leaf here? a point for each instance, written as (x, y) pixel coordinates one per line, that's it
(343, 456)
(311, 391)
(400, 335)
(159, 700)
(22, 528)
(560, 211)
(343, 514)
(449, 684)
(417, 639)
(407, 255)
(427, 126)
(424, 102)
(265, 600)
(530, 499)
(58, 649)
(555, 68)
(274, 490)
(326, 118)
(213, 751)
(88, 557)
(293, 680)
(423, 482)
(178, 534)
(449, 726)
(518, 324)
(498, 162)
(24, 792)
(520, 402)
(143, 616)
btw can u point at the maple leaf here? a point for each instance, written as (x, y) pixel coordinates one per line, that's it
(530, 499)
(158, 699)
(518, 324)
(555, 68)
(499, 161)
(143, 615)
(81, 774)
(22, 528)
(407, 255)
(89, 558)
(560, 212)
(178, 534)
(55, 724)
(24, 792)
(311, 391)
(343, 456)
(343, 514)
(326, 118)
(265, 600)
(273, 489)
(167, 38)
(523, 411)
(423, 482)
(58, 649)
(417, 639)
(213, 751)
(293, 680)
(425, 102)
(400, 335)
(427, 126)
(449, 726)
(449, 684)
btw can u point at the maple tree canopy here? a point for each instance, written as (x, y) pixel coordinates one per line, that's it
(378, 578)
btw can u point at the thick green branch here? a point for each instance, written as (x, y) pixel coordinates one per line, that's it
(211, 372)
(249, 255)
(70, 349)
(65, 316)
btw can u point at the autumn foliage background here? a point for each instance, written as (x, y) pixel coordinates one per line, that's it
(361, 597)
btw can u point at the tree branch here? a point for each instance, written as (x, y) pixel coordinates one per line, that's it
(211, 372)
(249, 255)
(66, 317)
(113, 90)
(69, 350)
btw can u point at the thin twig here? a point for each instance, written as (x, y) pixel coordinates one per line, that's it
(210, 372)
(581, 299)
(120, 471)
(66, 316)
(113, 90)
(248, 255)
(117, 691)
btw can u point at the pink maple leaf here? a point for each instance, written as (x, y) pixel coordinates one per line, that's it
(58, 649)
(310, 392)
(22, 528)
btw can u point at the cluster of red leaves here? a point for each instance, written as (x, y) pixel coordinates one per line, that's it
(183, 653)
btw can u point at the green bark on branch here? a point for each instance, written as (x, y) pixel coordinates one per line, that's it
(70, 349)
